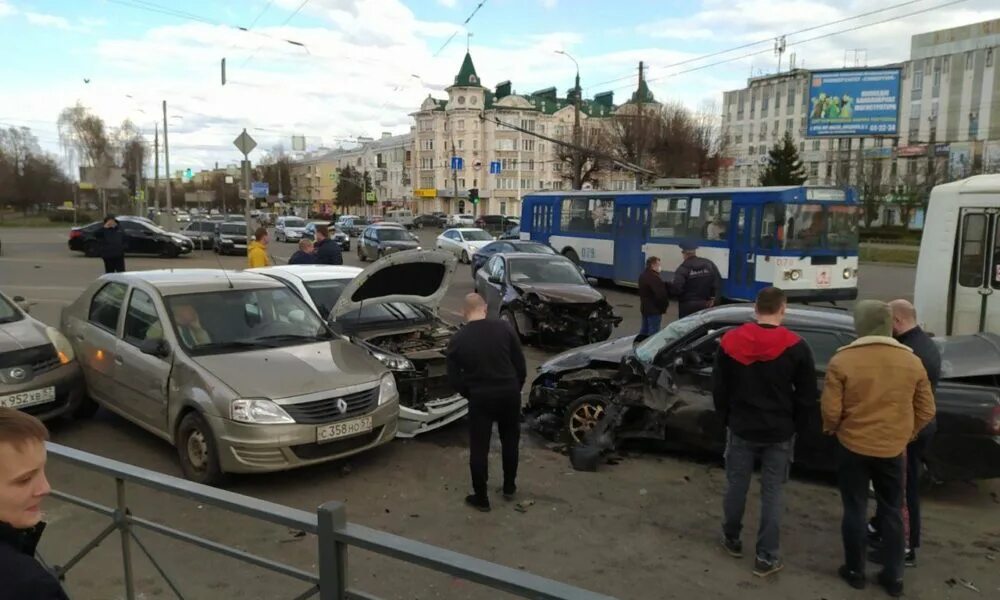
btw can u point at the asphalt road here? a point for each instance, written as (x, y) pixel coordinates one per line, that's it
(627, 530)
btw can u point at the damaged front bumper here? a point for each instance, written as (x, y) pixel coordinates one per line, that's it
(435, 414)
(567, 323)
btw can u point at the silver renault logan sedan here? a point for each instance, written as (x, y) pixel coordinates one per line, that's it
(232, 368)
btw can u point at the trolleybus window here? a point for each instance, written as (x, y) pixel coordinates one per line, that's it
(805, 225)
(712, 220)
(587, 215)
(970, 267)
(769, 229)
(669, 217)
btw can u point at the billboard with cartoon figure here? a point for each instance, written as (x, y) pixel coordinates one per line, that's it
(854, 103)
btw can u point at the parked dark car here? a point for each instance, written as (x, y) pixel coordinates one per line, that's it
(336, 234)
(432, 220)
(495, 224)
(381, 240)
(201, 233)
(483, 254)
(141, 237)
(355, 226)
(661, 388)
(545, 298)
(231, 238)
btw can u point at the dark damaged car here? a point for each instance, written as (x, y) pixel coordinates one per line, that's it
(661, 389)
(546, 299)
(391, 309)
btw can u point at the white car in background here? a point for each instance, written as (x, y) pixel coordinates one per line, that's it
(460, 221)
(391, 310)
(289, 229)
(463, 242)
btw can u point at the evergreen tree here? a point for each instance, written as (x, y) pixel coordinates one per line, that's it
(351, 186)
(783, 164)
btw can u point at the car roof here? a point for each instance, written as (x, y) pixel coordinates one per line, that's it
(795, 316)
(170, 282)
(530, 255)
(468, 229)
(309, 273)
(969, 355)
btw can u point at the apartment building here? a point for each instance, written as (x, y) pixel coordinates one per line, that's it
(949, 118)
(480, 126)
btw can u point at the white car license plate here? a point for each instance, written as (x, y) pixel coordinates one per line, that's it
(29, 398)
(823, 278)
(343, 429)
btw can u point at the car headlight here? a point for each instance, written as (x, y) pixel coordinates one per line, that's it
(258, 411)
(387, 390)
(63, 348)
(847, 273)
(396, 363)
(419, 248)
(794, 275)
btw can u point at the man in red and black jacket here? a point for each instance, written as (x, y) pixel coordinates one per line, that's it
(765, 390)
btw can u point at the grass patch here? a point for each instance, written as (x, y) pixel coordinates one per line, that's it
(901, 255)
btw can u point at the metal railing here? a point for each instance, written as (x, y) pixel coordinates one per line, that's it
(334, 534)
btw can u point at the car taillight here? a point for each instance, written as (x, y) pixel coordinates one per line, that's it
(75, 234)
(995, 424)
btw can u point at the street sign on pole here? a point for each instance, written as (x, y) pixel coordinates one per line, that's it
(244, 143)
(456, 163)
(259, 189)
(370, 197)
(495, 167)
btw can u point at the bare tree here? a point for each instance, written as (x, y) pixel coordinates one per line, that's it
(28, 176)
(85, 132)
(633, 135)
(873, 190)
(582, 161)
(128, 148)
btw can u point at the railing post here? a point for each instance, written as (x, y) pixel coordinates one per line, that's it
(123, 527)
(331, 517)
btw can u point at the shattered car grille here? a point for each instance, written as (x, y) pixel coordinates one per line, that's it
(573, 321)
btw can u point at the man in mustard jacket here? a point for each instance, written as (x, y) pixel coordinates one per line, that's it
(257, 250)
(876, 399)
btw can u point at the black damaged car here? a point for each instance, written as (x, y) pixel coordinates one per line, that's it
(661, 389)
(546, 299)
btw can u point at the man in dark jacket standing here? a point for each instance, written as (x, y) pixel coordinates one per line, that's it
(23, 486)
(907, 332)
(305, 255)
(327, 251)
(486, 365)
(765, 390)
(653, 298)
(112, 245)
(697, 284)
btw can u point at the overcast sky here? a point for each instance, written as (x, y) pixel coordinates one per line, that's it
(364, 65)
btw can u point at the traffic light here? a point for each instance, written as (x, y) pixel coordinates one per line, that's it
(474, 195)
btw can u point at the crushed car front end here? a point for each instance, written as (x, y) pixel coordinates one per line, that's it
(564, 323)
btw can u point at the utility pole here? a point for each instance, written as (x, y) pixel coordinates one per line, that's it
(156, 167)
(166, 161)
(577, 156)
(454, 171)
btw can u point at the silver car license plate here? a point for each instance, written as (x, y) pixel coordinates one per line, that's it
(29, 398)
(343, 429)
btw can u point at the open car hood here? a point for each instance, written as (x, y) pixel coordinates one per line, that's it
(413, 276)
(609, 351)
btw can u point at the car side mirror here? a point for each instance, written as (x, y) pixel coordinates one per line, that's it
(155, 347)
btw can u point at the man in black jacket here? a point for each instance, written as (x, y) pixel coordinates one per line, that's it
(305, 255)
(697, 284)
(327, 251)
(653, 298)
(112, 245)
(765, 390)
(907, 332)
(23, 486)
(486, 365)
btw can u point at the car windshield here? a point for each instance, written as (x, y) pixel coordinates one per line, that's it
(647, 350)
(229, 321)
(391, 234)
(534, 248)
(545, 270)
(476, 235)
(811, 226)
(360, 221)
(8, 313)
(295, 223)
(233, 229)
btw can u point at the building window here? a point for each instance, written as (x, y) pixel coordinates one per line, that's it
(505, 144)
(973, 125)
(529, 165)
(426, 163)
(460, 125)
(829, 171)
(750, 151)
(815, 145)
(813, 170)
(541, 146)
(508, 164)
(763, 104)
(989, 57)
(763, 131)
(968, 61)
(426, 144)
(461, 144)
(541, 129)
(426, 125)
(528, 124)
(789, 125)
(790, 101)
(475, 144)
(802, 146)
(739, 139)
(528, 145)
(461, 183)
(587, 215)
(527, 184)
(777, 97)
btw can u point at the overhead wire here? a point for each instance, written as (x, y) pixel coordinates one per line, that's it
(763, 41)
(465, 22)
(283, 23)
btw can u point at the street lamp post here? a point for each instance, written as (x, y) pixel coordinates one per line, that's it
(577, 158)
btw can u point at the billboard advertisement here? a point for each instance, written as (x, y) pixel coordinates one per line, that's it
(854, 103)
(960, 161)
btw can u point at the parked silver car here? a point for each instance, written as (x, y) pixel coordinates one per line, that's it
(233, 368)
(381, 240)
(39, 373)
(391, 309)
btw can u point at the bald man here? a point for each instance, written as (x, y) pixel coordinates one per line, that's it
(486, 365)
(906, 330)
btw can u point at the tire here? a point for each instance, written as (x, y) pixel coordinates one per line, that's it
(582, 415)
(465, 257)
(361, 254)
(381, 254)
(91, 249)
(171, 252)
(572, 255)
(197, 450)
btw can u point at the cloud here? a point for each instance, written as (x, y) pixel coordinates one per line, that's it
(46, 20)
(7, 9)
(448, 3)
(549, 4)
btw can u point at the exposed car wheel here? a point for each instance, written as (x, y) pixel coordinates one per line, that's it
(91, 249)
(171, 252)
(571, 254)
(381, 254)
(465, 257)
(199, 456)
(582, 415)
(361, 254)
